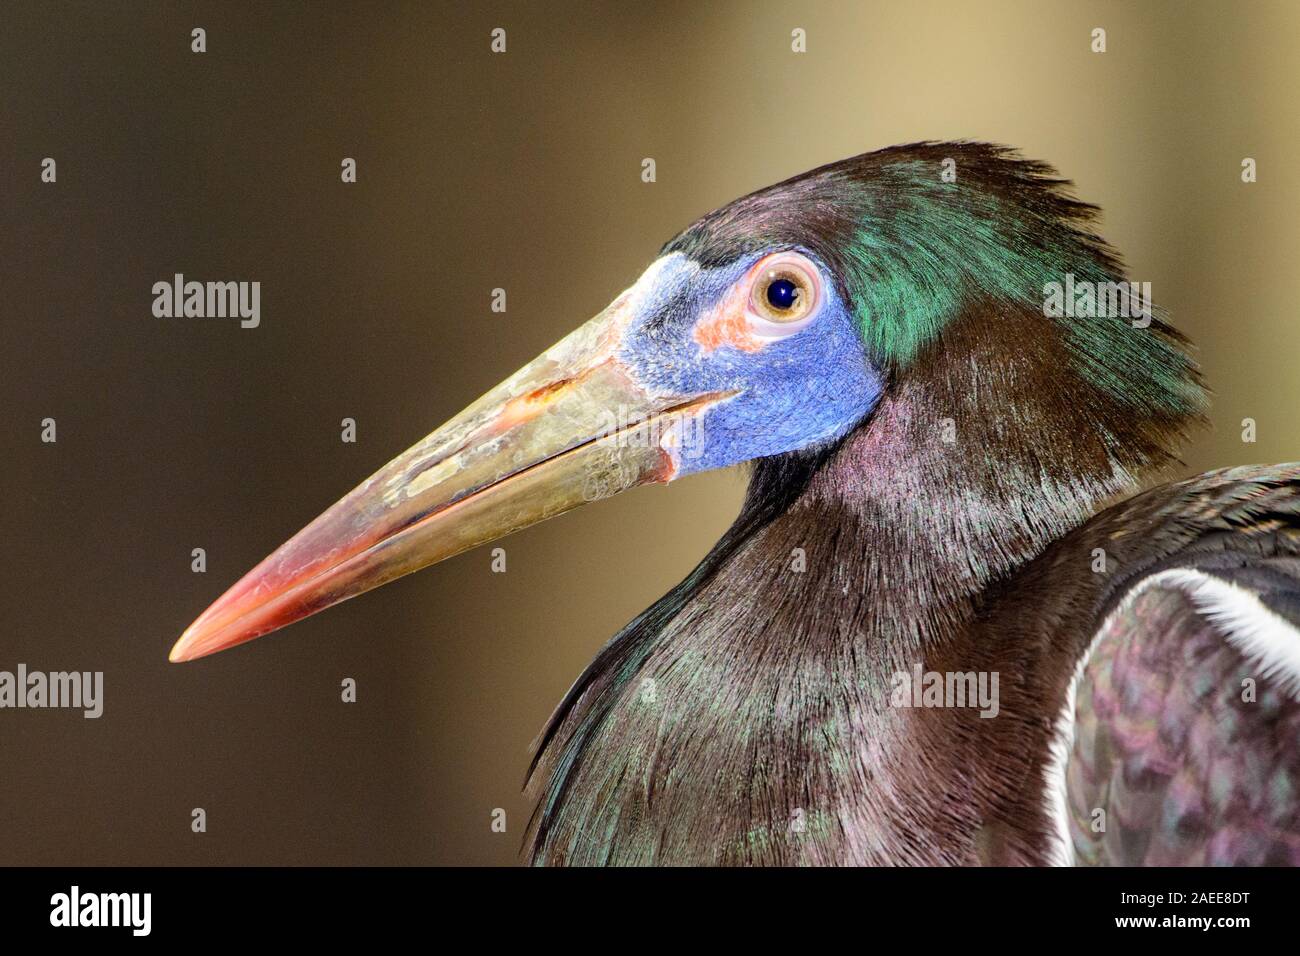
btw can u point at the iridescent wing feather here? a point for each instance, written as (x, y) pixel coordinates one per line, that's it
(1186, 721)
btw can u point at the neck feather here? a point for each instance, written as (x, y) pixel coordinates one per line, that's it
(989, 447)
(760, 686)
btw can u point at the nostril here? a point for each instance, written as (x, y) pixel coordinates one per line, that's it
(548, 390)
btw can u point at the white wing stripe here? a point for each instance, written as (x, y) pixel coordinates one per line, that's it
(1268, 641)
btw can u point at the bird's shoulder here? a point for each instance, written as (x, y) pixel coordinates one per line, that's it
(1182, 729)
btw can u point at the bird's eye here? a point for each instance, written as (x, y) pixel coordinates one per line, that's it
(784, 296)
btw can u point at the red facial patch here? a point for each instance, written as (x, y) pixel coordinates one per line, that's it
(725, 324)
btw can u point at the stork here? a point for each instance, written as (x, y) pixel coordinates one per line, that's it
(945, 479)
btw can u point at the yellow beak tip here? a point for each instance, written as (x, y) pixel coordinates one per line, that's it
(183, 649)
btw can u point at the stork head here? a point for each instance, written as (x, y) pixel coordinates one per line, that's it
(772, 326)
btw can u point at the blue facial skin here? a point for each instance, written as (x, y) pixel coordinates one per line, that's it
(805, 390)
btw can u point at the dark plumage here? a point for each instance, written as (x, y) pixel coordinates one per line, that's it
(916, 550)
(935, 465)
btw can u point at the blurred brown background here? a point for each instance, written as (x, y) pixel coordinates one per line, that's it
(476, 171)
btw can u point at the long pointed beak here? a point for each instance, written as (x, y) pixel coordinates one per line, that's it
(570, 427)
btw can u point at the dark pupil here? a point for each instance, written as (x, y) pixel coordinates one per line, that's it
(782, 294)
